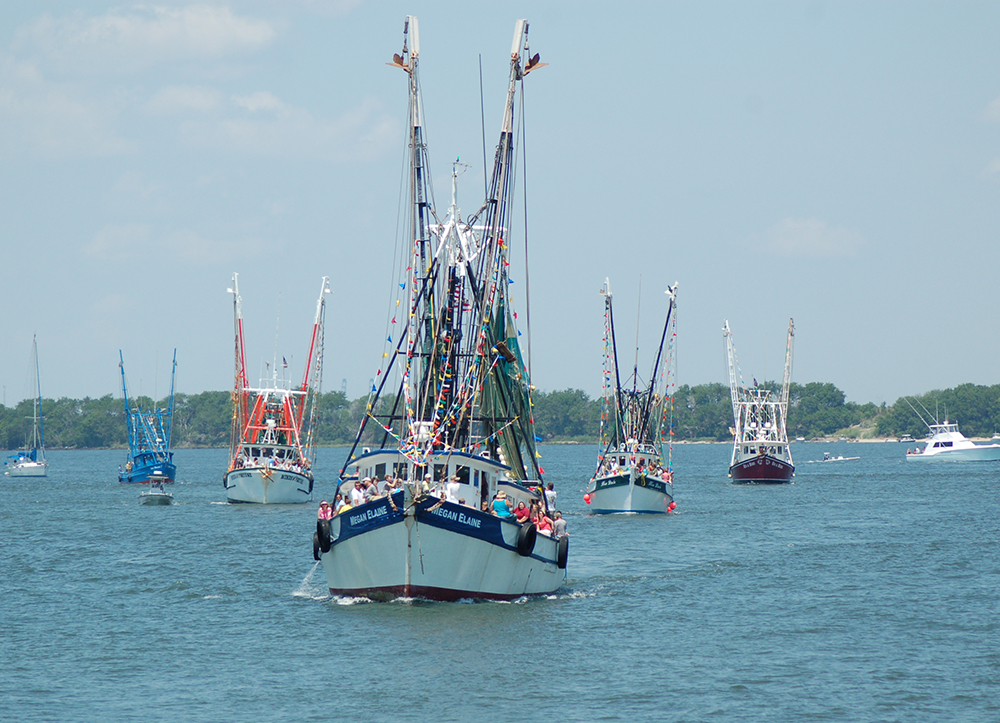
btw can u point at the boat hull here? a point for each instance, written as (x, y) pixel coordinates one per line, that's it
(621, 493)
(27, 469)
(438, 551)
(763, 469)
(154, 499)
(976, 453)
(267, 486)
(166, 472)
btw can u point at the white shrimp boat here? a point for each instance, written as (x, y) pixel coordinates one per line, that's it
(636, 421)
(761, 452)
(271, 450)
(30, 461)
(946, 443)
(462, 407)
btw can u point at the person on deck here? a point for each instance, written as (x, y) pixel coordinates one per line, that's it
(358, 493)
(550, 497)
(522, 513)
(559, 526)
(501, 508)
(338, 503)
(452, 489)
(325, 511)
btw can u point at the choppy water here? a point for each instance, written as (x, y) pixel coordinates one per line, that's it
(865, 591)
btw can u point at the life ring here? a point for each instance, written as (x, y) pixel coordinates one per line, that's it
(316, 546)
(526, 539)
(323, 532)
(562, 552)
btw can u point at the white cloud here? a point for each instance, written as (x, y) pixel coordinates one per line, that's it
(991, 113)
(129, 39)
(289, 131)
(56, 118)
(811, 237)
(261, 100)
(130, 242)
(178, 99)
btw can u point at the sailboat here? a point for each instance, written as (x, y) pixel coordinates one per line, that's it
(271, 449)
(761, 452)
(149, 455)
(455, 436)
(30, 462)
(631, 474)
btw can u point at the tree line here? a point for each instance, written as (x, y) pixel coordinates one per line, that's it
(700, 412)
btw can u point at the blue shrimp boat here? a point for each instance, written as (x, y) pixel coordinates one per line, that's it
(149, 452)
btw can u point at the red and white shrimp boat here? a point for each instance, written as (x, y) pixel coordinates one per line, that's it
(761, 452)
(271, 449)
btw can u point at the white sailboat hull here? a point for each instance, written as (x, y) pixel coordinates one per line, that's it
(625, 493)
(439, 551)
(28, 469)
(266, 486)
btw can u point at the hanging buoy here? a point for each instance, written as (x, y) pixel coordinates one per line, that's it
(586, 498)
(672, 506)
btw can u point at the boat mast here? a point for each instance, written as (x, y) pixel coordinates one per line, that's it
(38, 422)
(313, 377)
(129, 427)
(787, 379)
(734, 390)
(240, 376)
(644, 417)
(170, 408)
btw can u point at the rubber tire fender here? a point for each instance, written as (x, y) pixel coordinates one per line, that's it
(562, 552)
(323, 533)
(316, 546)
(526, 537)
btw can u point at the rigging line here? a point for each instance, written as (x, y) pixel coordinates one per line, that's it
(638, 310)
(644, 419)
(482, 120)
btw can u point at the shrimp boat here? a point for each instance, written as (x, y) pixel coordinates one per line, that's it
(30, 461)
(149, 455)
(271, 451)
(461, 410)
(761, 452)
(635, 422)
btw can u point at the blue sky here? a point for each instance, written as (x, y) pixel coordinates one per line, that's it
(838, 163)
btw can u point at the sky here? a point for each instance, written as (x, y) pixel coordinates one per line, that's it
(836, 163)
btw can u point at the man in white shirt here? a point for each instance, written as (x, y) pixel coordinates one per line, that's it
(452, 488)
(358, 493)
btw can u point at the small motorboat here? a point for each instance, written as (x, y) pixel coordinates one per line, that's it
(156, 495)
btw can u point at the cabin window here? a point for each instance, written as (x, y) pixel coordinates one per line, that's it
(440, 472)
(399, 469)
(463, 474)
(380, 470)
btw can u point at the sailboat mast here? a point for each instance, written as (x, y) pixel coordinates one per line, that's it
(38, 399)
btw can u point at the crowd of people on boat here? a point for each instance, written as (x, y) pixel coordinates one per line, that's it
(546, 519)
(535, 512)
(611, 465)
(290, 465)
